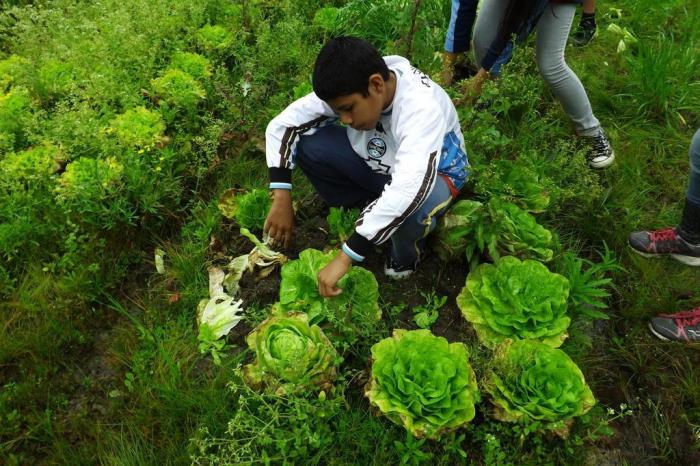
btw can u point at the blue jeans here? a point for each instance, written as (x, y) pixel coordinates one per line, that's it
(693, 194)
(343, 179)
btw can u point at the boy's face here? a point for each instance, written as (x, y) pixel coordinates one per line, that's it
(359, 112)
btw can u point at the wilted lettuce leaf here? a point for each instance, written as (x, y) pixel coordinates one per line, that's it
(518, 300)
(220, 313)
(422, 382)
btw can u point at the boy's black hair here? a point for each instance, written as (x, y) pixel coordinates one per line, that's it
(343, 67)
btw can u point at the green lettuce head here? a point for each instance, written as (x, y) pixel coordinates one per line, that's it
(248, 208)
(292, 356)
(499, 227)
(422, 382)
(354, 312)
(517, 300)
(528, 379)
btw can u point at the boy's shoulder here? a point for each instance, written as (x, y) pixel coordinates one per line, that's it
(415, 88)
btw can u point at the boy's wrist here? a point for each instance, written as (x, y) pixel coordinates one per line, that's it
(357, 247)
(281, 195)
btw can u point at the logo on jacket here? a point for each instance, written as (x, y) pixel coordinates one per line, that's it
(376, 147)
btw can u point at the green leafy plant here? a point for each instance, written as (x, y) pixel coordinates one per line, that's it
(249, 208)
(514, 182)
(352, 313)
(341, 222)
(497, 227)
(138, 127)
(528, 379)
(210, 343)
(214, 37)
(427, 314)
(93, 190)
(179, 89)
(518, 300)
(15, 108)
(589, 284)
(13, 70)
(291, 356)
(422, 382)
(195, 65)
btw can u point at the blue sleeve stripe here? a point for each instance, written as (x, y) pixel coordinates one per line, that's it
(353, 255)
(278, 185)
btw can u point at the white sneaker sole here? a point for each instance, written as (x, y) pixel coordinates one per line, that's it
(397, 275)
(687, 260)
(603, 163)
(657, 334)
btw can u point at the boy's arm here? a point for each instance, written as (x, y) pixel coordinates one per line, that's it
(303, 116)
(420, 132)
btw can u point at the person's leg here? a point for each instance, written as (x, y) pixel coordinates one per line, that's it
(336, 171)
(459, 33)
(487, 25)
(683, 242)
(587, 27)
(689, 229)
(408, 240)
(552, 32)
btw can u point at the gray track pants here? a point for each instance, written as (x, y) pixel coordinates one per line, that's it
(552, 33)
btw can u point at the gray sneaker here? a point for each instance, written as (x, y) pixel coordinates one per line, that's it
(666, 242)
(682, 326)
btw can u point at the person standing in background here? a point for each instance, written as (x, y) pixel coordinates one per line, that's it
(587, 26)
(455, 64)
(500, 21)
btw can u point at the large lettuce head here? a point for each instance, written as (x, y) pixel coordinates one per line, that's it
(422, 382)
(517, 300)
(292, 356)
(354, 312)
(530, 379)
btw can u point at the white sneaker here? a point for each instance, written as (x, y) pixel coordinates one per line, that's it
(600, 153)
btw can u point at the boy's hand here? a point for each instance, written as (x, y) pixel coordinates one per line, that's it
(279, 223)
(329, 276)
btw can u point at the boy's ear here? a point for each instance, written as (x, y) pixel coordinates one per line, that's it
(376, 83)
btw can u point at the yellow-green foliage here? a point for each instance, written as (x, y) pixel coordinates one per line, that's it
(138, 127)
(29, 169)
(179, 88)
(12, 69)
(193, 64)
(214, 37)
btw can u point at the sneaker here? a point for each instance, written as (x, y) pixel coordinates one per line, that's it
(600, 154)
(397, 271)
(682, 326)
(587, 30)
(665, 242)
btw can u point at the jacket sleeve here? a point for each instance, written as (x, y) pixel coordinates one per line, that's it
(420, 133)
(303, 116)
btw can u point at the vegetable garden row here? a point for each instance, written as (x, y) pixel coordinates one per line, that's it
(145, 320)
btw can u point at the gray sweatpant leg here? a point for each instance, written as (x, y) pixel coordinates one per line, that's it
(552, 33)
